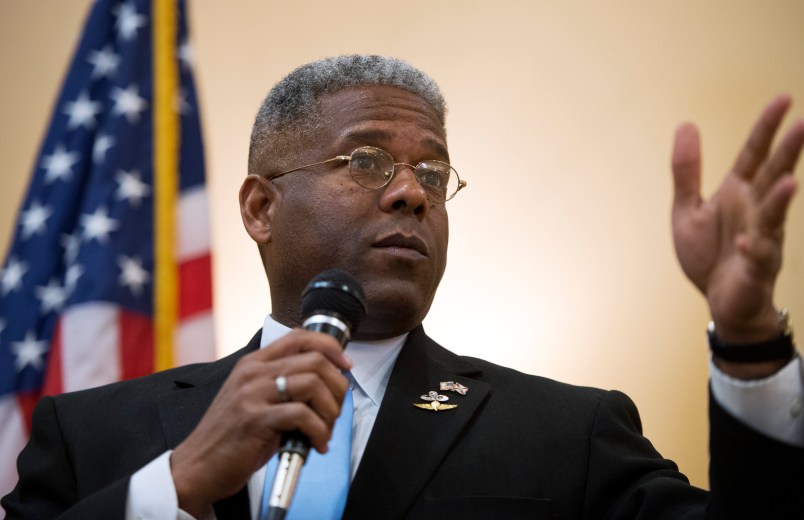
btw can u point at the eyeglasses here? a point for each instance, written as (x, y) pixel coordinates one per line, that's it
(374, 168)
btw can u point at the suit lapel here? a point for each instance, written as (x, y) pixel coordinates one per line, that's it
(182, 409)
(407, 444)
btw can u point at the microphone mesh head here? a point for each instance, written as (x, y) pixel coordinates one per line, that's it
(335, 291)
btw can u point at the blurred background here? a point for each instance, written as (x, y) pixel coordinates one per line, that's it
(561, 118)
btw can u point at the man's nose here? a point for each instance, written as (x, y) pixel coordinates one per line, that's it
(404, 193)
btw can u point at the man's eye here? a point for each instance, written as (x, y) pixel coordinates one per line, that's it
(364, 162)
(433, 179)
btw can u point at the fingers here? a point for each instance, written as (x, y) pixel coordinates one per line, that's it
(299, 341)
(759, 141)
(686, 162)
(243, 424)
(311, 380)
(782, 162)
(772, 211)
(308, 365)
(296, 415)
(773, 187)
(762, 243)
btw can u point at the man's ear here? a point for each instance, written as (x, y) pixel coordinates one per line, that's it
(258, 200)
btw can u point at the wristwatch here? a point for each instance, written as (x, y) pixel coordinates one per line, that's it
(776, 349)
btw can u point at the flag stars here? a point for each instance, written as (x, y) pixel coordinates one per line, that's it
(52, 296)
(82, 112)
(71, 245)
(104, 62)
(132, 274)
(33, 219)
(98, 225)
(130, 187)
(128, 103)
(128, 21)
(59, 165)
(186, 54)
(182, 106)
(29, 351)
(74, 272)
(11, 279)
(100, 147)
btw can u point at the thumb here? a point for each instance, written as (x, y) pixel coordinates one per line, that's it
(686, 163)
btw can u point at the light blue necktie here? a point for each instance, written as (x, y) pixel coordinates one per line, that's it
(324, 481)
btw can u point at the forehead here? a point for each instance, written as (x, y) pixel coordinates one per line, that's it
(383, 116)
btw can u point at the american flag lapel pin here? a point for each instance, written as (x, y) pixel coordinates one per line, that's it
(452, 386)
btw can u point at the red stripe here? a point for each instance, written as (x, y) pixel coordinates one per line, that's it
(26, 402)
(195, 286)
(136, 345)
(54, 382)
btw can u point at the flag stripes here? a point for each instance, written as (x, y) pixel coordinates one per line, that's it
(109, 273)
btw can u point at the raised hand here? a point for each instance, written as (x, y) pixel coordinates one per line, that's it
(730, 246)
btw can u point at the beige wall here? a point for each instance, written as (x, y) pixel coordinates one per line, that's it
(561, 118)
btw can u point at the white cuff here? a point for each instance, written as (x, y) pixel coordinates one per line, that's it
(773, 406)
(151, 493)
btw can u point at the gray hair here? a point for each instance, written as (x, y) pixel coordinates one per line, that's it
(290, 112)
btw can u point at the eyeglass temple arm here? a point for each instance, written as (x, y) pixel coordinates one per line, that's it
(336, 158)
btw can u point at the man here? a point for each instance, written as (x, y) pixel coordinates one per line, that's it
(348, 164)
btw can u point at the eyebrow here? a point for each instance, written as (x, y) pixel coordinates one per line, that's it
(362, 137)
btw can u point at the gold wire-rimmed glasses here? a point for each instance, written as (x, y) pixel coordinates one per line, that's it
(373, 168)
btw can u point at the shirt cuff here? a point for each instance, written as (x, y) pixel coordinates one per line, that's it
(151, 493)
(772, 406)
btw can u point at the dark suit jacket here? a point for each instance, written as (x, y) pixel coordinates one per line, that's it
(517, 446)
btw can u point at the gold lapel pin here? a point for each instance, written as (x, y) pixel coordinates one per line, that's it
(452, 386)
(434, 403)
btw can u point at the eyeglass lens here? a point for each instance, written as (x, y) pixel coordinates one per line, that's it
(373, 168)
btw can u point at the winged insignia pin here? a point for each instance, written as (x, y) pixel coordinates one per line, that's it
(435, 406)
(435, 403)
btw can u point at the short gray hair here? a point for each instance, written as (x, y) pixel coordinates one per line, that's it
(290, 112)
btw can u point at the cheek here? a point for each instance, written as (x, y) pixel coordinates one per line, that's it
(325, 215)
(440, 226)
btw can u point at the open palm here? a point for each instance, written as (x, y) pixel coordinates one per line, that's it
(730, 246)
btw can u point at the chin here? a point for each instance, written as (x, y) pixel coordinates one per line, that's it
(393, 312)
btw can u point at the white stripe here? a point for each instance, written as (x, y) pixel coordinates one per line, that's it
(195, 339)
(193, 226)
(13, 436)
(90, 345)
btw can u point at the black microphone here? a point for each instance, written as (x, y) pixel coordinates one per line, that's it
(333, 304)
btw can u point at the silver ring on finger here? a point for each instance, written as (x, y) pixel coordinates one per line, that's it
(282, 388)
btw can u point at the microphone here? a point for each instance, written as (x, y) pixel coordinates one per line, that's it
(333, 304)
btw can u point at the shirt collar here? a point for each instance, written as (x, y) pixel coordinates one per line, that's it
(372, 361)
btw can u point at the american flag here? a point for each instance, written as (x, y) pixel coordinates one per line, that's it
(108, 275)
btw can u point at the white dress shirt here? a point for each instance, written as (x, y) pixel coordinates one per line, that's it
(772, 406)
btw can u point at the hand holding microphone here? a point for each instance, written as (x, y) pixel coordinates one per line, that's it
(332, 304)
(241, 429)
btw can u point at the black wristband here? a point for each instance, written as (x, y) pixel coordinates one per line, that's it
(780, 348)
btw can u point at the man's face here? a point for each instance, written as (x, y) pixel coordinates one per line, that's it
(393, 240)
